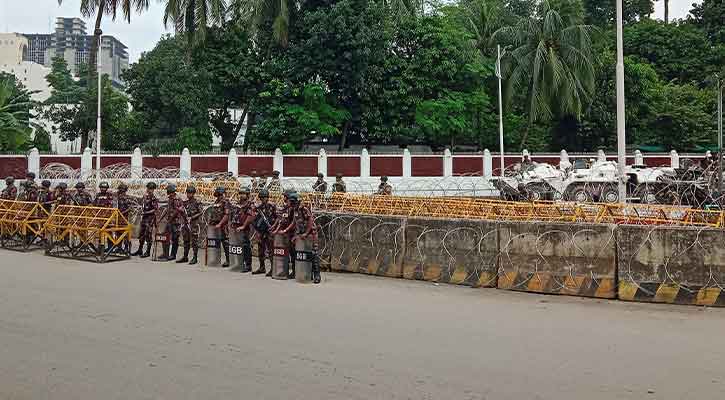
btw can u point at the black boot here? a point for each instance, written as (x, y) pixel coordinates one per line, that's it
(174, 250)
(261, 269)
(291, 274)
(140, 248)
(193, 257)
(186, 256)
(165, 253)
(316, 274)
(147, 253)
(226, 255)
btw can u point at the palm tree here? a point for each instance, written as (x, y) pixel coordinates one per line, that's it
(193, 17)
(482, 18)
(550, 61)
(14, 124)
(254, 13)
(99, 8)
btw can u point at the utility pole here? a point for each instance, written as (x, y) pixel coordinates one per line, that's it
(98, 122)
(719, 134)
(621, 141)
(500, 106)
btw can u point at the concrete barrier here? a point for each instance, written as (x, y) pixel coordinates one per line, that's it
(682, 265)
(461, 252)
(367, 244)
(573, 259)
(323, 222)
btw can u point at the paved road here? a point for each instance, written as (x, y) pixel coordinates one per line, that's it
(137, 330)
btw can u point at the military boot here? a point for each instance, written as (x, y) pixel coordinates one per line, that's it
(291, 274)
(185, 258)
(271, 265)
(316, 272)
(193, 257)
(140, 248)
(147, 253)
(226, 256)
(174, 250)
(164, 253)
(261, 269)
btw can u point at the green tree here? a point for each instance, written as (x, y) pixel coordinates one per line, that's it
(709, 16)
(15, 114)
(550, 62)
(258, 16)
(64, 90)
(603, 13)
(194, 17)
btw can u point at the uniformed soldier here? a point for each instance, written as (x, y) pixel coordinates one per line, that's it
(30, 192)
(45, 196)
(190, 230)
(285, 226)
(148, 220)
(62, 197)
(174, 218)
(304, 228)
(81, 197)
(274, 184)
(265, 219)
(219, 217)
(241, 221)
(320, 185)
(384, 189)
(339, 185)
(103, 197)
(11, 191)
(254, 182)
(124, 203)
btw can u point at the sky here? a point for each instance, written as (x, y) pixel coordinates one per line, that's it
(38, 16)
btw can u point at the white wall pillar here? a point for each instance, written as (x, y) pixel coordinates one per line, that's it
(487, 164)
(185, 164)
(86, 164)
(34, 162)
(447, 163)
(407, 169)
(601, 157)
(322, 162)
(364, 164)
(233, 162)
(638, 158)
(674, 159)
(278, 162)
(564, 162)
(136, 164)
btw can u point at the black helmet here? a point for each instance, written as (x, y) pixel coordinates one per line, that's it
(230, 174)
(30, 175)
(191, 189)
(320, 175)
(287, 193)
(122, 187)
(275, 173)
(171, 188)
(338, 175)
(263, 194)
(80, 185)
(62, 186)
(45, 183)
(294, 197)
(244, 189)
(219, 190)
(9, 180)
(103, 185)
(383, 179)
(151, 185)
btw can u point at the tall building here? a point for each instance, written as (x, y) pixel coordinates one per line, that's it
(71, 41)
(13, 55)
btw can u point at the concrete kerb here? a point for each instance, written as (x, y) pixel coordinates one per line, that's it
(668, 264)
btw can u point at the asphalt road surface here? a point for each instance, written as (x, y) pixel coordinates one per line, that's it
(142, 330)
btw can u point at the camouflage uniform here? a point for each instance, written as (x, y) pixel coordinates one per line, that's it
(30, 193)
(124, 203)
(82, 198)
(242, 215)
(63, 198)
(274, 184)
(219, 215)
(148, 220)
(305, 225)
(46, 199)
(266, 241)
(103, 199)
(174, 218)
(384, 189)
(190, 230)
(9, 193)
(320, 186)
(339, 186)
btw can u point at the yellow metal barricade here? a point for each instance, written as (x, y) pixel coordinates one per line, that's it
(21, 225)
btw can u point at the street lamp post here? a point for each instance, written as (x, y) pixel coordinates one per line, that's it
(621, 142)
(500, 106)
(98, 121)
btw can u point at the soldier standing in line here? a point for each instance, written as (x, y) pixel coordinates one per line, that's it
(31, 188)
(253, 181)
(305, 229)
(124, 205)
(174, 217)
(274, 184)
(320, 185)
(339, 185)
(62, 197)
(384, 189)
(45, 196)
(81, 197)
(265, 219)
(11, 191)
(190, 230)
(218, 218)
(241, 220)
(103, 198)
(285, 226)
(148, 219)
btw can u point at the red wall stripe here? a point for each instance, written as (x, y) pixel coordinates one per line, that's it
(13, 166)
(426, 166)
(389, 166)
(209, 164)
(71, 161)
(300, 166)
(347, 166)
(468, 166)
(263, 165)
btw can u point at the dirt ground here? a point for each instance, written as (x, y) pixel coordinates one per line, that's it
(143, 330)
